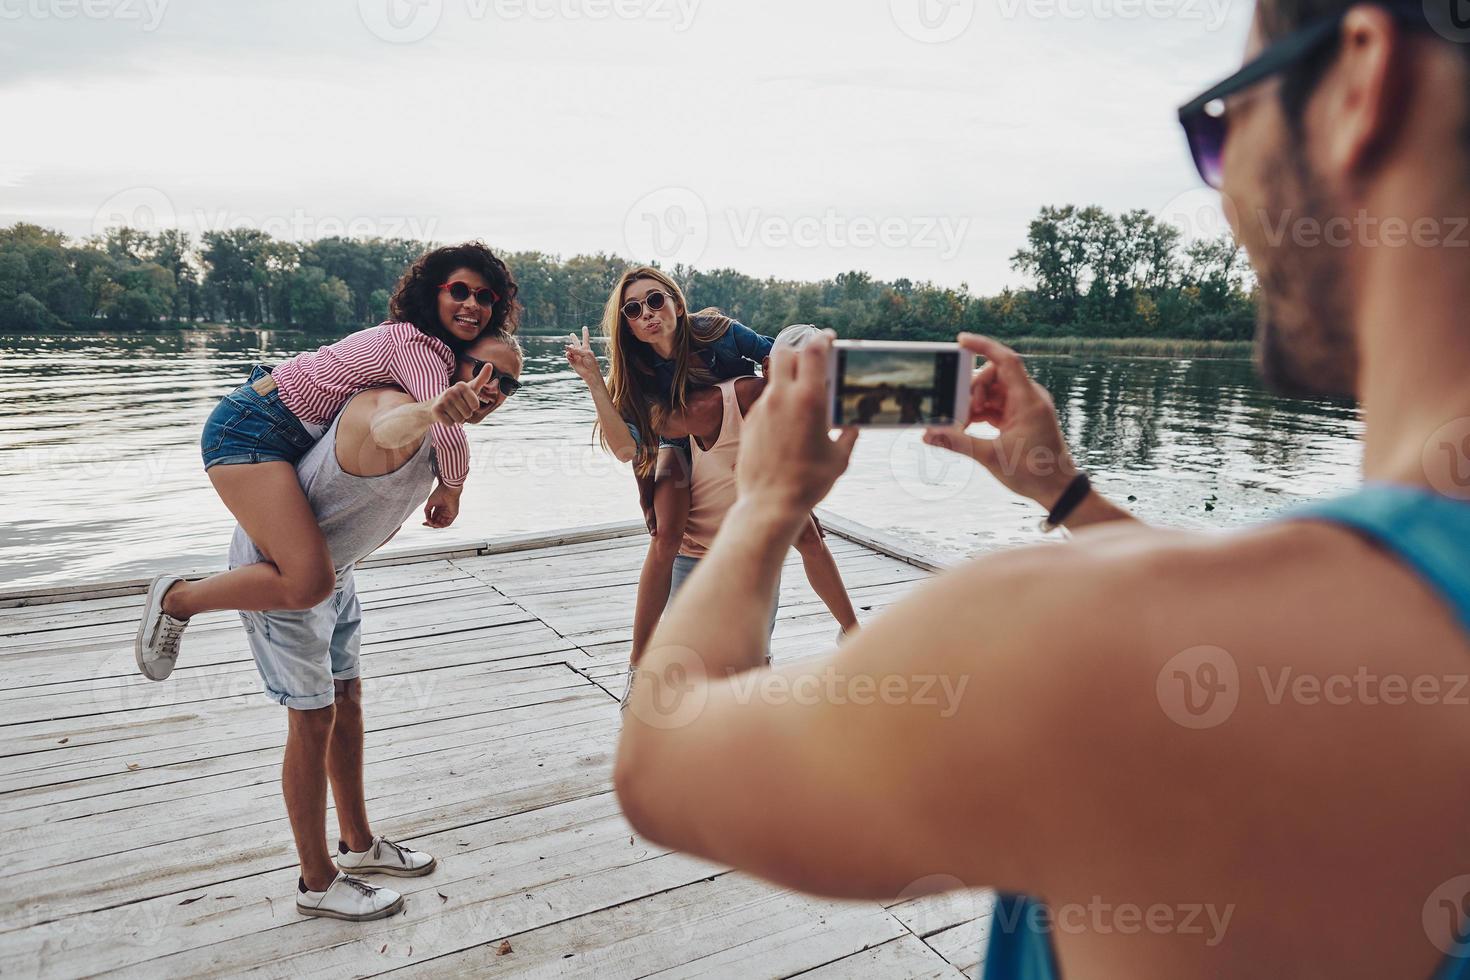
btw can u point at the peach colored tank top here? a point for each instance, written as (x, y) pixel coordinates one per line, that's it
(712, 479)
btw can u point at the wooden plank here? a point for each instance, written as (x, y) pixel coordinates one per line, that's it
(881, 542)
(502, 718)
(136, 586)
(495, 754)
(472, 855)
(729, 925)
(568, 763)
(906, 956)
(499, 876)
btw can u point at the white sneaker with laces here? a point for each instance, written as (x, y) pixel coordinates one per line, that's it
(156, 648)
(348, 899)
(385, 857)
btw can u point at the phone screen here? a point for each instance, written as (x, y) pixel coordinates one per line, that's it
(895, 387)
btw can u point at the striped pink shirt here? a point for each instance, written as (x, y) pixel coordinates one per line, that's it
(315, 386)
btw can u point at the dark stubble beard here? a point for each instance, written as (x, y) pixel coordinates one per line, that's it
(1306, 344)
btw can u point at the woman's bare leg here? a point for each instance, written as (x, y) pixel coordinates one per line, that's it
(671, 505)
(267, 500)
(823, 574)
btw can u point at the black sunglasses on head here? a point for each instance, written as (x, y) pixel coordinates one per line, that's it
(508, 385)
(1205, 119)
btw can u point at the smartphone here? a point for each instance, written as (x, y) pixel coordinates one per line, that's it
(892, 383)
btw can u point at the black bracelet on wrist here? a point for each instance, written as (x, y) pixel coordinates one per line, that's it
(1075, 493)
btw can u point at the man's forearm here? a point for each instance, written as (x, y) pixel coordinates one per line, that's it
(403, 426)
(722, 612)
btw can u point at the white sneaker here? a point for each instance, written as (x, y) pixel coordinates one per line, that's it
(348, 899)
(385, 857)
(157, 647)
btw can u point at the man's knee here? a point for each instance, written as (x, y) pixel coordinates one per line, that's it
(312, 722)
(349, 696)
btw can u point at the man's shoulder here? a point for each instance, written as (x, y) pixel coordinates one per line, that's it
(1283, 592)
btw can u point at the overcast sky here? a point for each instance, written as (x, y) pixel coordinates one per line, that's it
(795, 138)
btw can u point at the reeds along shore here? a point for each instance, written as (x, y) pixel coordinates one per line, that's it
(1130, 346)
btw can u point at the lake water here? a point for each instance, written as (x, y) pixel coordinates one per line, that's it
(100, 475)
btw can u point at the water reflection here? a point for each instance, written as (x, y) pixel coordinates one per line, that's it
(100, 471)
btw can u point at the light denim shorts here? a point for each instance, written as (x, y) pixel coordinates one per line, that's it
(684, 566)
(299, 653)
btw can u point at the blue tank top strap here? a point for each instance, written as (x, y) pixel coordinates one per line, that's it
(1019, 945)
(1428, 532)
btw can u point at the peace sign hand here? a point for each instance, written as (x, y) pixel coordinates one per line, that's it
(582, 359)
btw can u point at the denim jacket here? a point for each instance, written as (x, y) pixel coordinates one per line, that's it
(734, 354)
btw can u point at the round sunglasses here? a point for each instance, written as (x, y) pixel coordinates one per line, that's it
(655, 301)
(1206, 119)
(508, 385)
(459, 291)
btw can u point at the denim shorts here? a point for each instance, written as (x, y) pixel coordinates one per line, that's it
(299, 653)
(684, 566)
(250, 427)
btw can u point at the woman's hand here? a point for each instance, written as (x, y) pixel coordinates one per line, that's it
(443, 506)
(1030, 455)
(788, 460)
(582, 359)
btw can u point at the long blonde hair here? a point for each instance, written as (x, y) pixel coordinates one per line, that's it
(630, 379)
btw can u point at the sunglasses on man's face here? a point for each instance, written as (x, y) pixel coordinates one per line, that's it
(508, 385)
(655, 301)
(459, 291)
(1206, 119)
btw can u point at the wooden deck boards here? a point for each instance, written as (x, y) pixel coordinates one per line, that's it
(148, 837)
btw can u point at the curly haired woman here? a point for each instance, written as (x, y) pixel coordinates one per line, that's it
(256, 435)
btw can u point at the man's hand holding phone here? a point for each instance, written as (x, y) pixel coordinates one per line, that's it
(1030, 455)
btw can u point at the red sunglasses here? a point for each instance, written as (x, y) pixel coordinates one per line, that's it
(459, 291)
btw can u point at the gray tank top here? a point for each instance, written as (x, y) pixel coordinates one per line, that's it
(356, 513)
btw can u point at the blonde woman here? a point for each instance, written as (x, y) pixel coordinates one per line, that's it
(659, 352)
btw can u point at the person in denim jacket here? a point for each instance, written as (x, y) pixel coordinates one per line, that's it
(659, 352)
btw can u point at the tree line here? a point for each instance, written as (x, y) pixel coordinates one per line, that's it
(1091, 274)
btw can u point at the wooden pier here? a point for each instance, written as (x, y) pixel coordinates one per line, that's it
(147, 837)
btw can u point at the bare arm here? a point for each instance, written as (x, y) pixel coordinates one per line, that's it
(405, 425)
(583, 361)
